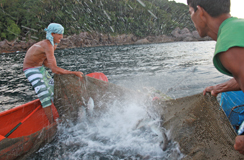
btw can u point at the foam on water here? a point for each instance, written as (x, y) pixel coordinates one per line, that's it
(111, 135)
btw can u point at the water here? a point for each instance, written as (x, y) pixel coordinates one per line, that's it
(110, 136)
(177, 69)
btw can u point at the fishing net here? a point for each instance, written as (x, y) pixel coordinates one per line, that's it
(200, 126)
(72, 93)
(197, 122)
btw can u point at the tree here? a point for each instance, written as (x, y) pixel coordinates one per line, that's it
(27, 18)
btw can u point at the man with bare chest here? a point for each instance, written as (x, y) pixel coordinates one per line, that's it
(39, 56)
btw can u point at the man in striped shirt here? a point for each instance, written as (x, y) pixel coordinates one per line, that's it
(42, 54)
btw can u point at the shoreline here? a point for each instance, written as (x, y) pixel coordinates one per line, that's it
(94, 39)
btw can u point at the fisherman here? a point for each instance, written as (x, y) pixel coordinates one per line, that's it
(42, 54)
(212, 18)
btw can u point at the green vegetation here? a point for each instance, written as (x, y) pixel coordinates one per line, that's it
(25, 19)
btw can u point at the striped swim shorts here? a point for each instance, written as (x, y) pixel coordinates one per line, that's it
(43, 84)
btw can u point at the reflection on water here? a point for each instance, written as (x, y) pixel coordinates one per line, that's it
(176, 69)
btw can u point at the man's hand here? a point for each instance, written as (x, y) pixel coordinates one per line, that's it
(239, 144)
(212, 89)
(49, 114)
(78, 74)
(230, 85)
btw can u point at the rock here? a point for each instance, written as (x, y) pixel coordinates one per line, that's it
(181, 33)
(151, 38)
(207, 38)
(83, 35)
(167, 39)
(6, 45)
(23, 45)
(85, 39)
(119, 39)
(65, 43)
(129, 38)
(187, 39)
(176, 32)
(87, 43)
(160, 39)
(3, 44)
(75, 40)
(134, 38)
(17, 46)
(185, 31)
(142, 41)
(104, 39)
(30, 43)
(196, 34)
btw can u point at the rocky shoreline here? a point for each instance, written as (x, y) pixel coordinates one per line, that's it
(94, 39)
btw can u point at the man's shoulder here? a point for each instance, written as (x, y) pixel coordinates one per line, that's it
(231, 34)
(232, 24)
(231, 29)
(44, 44)
(40, 47)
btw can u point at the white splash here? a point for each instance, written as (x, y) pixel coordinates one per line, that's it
(112, 134)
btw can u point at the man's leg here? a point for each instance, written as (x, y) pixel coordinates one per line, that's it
(49, 114)
(45, 99)
(49, 82)
(35, 77)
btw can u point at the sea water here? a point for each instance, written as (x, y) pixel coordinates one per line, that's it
(176, 69)
(112, 135)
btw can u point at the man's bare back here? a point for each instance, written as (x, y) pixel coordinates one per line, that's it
(36, 55)
(42, 53)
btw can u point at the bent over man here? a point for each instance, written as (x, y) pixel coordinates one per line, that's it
(42, 54)
(212, 18)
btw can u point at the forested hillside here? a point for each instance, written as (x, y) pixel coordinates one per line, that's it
(26, 19)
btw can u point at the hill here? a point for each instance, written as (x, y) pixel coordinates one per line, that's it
(26, 19)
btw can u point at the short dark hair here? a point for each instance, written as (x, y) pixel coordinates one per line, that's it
(213, 7)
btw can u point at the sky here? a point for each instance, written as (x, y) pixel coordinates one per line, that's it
(236, 7)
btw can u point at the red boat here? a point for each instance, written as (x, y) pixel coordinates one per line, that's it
(24, 129)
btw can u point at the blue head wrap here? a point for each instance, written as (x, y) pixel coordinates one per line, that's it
(53, 28)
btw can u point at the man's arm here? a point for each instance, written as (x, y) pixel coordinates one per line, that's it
(233, 61)
(239, 144)
(52, 64)
(230, 85)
